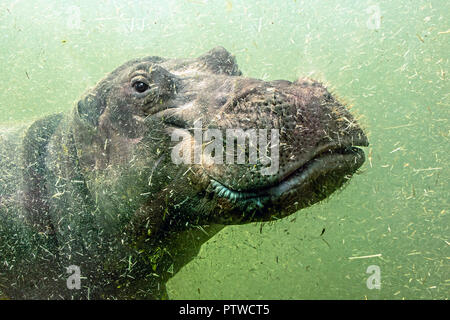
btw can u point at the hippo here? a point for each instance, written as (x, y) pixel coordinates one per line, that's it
(95, 203)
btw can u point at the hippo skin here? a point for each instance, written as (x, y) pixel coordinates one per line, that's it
(97, 188)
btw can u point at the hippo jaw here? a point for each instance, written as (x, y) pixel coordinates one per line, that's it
(310, 179)
(301, 188)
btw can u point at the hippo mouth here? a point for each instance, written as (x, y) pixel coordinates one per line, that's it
(325, 172)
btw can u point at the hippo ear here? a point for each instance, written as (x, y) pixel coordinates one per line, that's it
(220, 61)
(90, 108)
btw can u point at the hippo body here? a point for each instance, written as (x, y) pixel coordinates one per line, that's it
(97, 189)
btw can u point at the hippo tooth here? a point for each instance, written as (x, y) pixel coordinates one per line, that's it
(214, 183)
(221, 192)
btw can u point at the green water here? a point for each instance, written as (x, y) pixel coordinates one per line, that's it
(395, 74)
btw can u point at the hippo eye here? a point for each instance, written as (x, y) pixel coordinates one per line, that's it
(140, 86)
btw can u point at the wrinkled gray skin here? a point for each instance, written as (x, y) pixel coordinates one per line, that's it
(97, 188)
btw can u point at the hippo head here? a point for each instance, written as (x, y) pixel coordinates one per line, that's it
(165, 144)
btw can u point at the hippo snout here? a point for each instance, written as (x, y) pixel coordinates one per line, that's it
(315, 150)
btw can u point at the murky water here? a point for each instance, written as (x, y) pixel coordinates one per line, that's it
(389, 59)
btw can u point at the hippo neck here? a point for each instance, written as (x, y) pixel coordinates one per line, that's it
(36, 195)
(154, 260)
